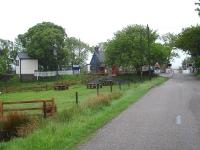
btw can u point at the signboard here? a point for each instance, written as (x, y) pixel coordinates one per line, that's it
(75, 67)
(145, 68)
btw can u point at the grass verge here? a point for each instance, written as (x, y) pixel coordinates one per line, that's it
(65, 135)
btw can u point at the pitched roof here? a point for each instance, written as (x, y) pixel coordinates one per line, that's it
(23, 55)
(100, 55)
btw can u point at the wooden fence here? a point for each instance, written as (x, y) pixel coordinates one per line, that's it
(48, 107)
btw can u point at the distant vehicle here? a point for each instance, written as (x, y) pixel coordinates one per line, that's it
(157, 71)
(157, 68)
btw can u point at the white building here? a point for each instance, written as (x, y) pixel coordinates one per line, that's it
(25, 66)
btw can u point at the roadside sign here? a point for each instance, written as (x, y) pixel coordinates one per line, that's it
(75, 67)
(145, 68)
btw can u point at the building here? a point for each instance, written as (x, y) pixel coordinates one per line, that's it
(97, 64)
(25, 66)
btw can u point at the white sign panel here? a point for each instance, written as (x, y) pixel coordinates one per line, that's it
(145, 68)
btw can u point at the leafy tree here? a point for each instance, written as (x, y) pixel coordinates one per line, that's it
(3, 64)
(129, 46)
(189, 40)
(78, 50)
(160, 53)
(17, 47)
(6, 48)
(169, 40)
(46, 42)
(198, 8)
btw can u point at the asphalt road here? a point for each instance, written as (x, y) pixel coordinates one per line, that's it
(166, 118)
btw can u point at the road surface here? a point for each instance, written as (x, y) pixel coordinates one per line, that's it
(166, 118)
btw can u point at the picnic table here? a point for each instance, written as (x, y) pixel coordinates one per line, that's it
(107, 82)
(61, 86)
(93, 85)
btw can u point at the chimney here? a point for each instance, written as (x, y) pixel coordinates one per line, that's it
(96, 49)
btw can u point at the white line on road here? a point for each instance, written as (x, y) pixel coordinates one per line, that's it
(178, 119)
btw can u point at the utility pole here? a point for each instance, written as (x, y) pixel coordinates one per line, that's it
(141, 48)
(148, 40)
(55, 52)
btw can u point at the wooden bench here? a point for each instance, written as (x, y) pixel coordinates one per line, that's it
(48, 107)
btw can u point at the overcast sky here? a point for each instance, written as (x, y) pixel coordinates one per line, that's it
(95, 21)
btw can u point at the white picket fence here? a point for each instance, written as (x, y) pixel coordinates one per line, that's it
(52, 73)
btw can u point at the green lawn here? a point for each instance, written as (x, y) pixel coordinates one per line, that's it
(65, 135)
(14, 83)
(64, 99)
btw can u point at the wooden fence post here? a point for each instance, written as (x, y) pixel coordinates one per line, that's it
(77, 98)
(53, 107)
(111, 87)
(97, 89)
(45, 109)
(128, 84)
(1, 110)
(120, 86)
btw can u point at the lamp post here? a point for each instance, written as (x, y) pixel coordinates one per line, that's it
(55, 53)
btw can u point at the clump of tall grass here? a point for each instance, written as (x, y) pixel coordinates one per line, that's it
(18, 125)
(116, 95)
(92, 103)
(67, 115)
(102, 100)
(98, 101)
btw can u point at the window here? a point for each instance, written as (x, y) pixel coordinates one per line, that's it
(17, 62)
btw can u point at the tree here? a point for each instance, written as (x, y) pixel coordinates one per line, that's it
(6, 47)
(198, 8)
(45, 42)
(189, 41)
(160, 53)
(78, 50)
(169, 40)
(3, 64)
(129, 47)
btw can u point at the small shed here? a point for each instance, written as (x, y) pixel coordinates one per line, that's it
(97, 64)
(26, 66)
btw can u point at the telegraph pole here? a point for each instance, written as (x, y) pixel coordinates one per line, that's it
(148, 44)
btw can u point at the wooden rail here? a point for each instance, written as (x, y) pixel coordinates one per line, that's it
(48, 107)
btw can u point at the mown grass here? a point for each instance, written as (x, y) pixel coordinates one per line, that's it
(65, 135)
(64, 99)
(14, 84)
